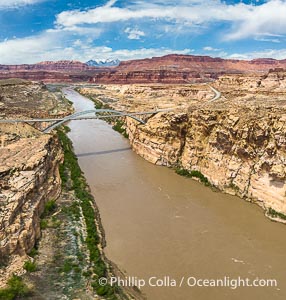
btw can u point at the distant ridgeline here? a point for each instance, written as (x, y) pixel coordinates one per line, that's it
(171, 68)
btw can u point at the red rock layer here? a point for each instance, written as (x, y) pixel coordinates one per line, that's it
(171, 68)
(182, 69)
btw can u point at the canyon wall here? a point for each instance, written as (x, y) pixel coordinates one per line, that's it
(29, 168)
(29, 177)
(152, 76)
(241, 151)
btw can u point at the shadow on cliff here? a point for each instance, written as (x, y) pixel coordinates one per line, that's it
(103, 152)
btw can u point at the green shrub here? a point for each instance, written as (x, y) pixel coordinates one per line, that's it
(63, 175)
(102, 290)
(33, 252)
(67, 266)
(16, 288)
(193, 173)
(118, 126)
(50, 207)
(66, 128)
(87, 273)
(275, 214)
(30, 266)
(97, 104)
(199, 175)
(183, 172)
(43, 224)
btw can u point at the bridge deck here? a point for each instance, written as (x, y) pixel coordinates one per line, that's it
(84, 115)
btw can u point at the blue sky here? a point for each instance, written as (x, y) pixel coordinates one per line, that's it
(38, 30)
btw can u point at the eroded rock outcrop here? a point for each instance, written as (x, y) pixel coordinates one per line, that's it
(29, 177)
(29, 163)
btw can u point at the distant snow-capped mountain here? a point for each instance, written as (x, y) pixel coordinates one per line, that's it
(103, 63)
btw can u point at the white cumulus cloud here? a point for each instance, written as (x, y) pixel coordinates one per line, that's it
(245, 20)
(5, 4)
(267, 53)
(209, 48)
(134, 33)
(263, 20)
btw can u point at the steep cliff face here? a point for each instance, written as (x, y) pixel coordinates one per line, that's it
(152, 76)
(241, 151)
(29, 177)
(271, 81)
(161, 140)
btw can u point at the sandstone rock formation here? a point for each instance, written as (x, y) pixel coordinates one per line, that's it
(28, 178)
(201, 63)
(29, 163)
(240, 151)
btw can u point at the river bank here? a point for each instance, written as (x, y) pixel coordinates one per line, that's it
(67, 261)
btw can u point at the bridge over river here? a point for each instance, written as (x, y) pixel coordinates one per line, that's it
(85, 115)
(98, 114)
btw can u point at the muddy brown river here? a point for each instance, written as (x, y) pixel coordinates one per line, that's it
(159, 225)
